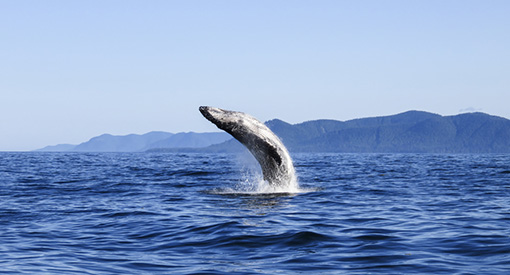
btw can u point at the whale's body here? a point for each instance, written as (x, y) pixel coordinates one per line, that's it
(266, 147)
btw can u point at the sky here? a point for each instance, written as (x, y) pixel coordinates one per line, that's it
(72, 70)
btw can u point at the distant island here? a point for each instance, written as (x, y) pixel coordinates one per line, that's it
(408, 132)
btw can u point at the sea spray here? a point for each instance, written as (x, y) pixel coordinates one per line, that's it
(252, 180)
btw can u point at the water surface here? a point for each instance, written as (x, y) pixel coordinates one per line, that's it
(144, 213)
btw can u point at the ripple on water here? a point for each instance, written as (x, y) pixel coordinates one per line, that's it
(192, 213)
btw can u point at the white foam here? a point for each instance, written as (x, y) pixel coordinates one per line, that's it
(254, 184)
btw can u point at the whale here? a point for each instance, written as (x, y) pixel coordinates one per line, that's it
(269, 151)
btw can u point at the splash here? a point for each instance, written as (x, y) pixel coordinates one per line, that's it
(252, 180)
(259, 186)
(252, 183)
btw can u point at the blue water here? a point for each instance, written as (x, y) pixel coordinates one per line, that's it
(142, 213)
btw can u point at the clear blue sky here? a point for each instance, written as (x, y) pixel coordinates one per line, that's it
(71, 70)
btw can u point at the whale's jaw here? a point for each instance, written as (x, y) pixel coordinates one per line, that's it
(266, 147)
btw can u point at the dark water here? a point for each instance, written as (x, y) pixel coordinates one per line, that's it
(144, 213)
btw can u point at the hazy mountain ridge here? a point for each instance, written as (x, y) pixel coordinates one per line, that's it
(139, 143)
(127, 143)
(408, 132)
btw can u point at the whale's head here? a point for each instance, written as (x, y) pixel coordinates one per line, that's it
(214, 115)
(226, 120)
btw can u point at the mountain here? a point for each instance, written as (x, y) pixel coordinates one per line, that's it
(137, 143)
(58, 148)
(408, 132)
(128, 143)
(190, 140)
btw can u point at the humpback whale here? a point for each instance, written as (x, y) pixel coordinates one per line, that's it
(264, 145)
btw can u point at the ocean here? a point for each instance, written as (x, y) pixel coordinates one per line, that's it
(169, 213)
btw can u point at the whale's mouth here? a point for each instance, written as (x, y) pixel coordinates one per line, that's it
(205, 110)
